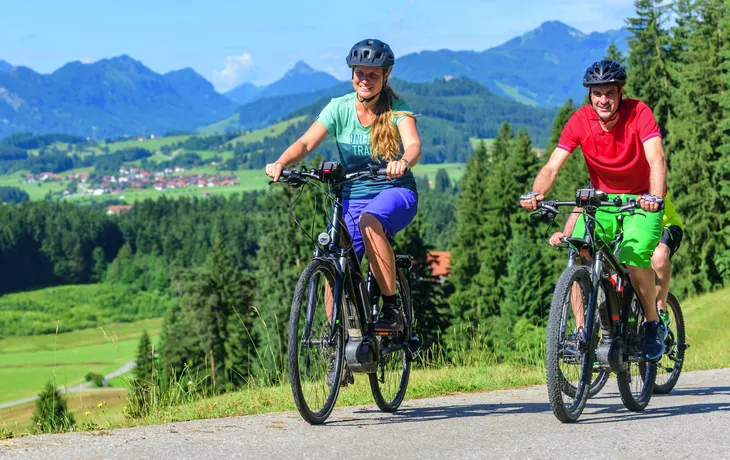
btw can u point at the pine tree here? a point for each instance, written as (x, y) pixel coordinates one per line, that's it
(442, 182)
(694, 144)
(51, 412)
(144, 362)
(649, 78)
(284, 251)
(430, 309)
(501, 195)
(468, 242)
(722, 171)
(614, 54)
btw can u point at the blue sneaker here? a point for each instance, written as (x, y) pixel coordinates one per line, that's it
(653, 348)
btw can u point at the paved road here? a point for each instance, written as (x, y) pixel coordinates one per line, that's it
(128, 366)
(692, 422)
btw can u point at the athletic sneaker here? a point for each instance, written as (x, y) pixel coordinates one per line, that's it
(653, 348)
(390, 318)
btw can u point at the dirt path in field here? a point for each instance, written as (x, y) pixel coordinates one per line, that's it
(75, 389)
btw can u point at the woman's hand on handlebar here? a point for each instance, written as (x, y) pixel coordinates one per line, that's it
(273, 170)
(396, 169)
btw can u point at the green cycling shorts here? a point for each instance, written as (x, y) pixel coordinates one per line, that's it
(642, 232)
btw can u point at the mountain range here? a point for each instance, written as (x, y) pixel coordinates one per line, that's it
(107, 98)
(543, 67)
(116, 96)
(300, 79)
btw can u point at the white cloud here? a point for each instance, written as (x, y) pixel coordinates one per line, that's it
(234, 71)
(87, 60)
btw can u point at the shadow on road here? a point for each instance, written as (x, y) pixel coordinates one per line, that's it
(598, 409)
(426, 414)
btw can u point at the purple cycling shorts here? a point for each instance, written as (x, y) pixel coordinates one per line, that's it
(395, 208)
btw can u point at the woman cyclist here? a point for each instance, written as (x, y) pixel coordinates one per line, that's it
(370, 124)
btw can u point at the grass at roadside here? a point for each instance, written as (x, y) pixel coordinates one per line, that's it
(708, 333)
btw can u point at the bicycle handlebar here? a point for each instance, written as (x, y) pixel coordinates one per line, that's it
(299, 177)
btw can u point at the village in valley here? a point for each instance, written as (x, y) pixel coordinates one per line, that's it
(131, 177)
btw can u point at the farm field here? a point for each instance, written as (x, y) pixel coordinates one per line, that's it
(27, 363)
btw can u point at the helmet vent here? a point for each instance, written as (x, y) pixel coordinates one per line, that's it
(366, 54)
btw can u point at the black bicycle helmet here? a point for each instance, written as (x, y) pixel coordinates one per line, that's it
(371, 52)
(604, 73)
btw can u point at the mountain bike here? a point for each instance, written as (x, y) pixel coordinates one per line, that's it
(595, 318)
(331, 321)
(670, 365)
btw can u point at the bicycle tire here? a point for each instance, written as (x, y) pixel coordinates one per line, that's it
(557, 348)
(602, 375)
(636, 382)
(390, 382)
(313, 383)
(670, 366)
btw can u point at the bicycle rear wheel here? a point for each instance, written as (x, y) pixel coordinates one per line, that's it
(390, 382)
(670, 365)
(569, 356)
(314, 352)
(636, 382)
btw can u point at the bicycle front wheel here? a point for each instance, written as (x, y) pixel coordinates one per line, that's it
(389, 383)
(569, 354)
(315, 354)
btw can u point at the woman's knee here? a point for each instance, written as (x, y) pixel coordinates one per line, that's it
(369, 224)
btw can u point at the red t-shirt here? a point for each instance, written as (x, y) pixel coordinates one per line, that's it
(616, 160)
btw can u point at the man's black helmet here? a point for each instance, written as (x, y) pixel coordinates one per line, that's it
(371, 52)
(604, 73)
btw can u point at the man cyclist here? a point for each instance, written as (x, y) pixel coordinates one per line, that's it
(622, 147)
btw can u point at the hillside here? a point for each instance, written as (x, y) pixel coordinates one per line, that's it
(107, 98)
(542, 68)
(450, 113)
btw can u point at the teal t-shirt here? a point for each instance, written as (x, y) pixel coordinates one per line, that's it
(339, 117)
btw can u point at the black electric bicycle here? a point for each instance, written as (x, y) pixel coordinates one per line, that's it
(595, 319)
(670, 365)
(331, 321)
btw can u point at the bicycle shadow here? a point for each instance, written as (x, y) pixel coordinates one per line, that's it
(597, 412)
(436, 413)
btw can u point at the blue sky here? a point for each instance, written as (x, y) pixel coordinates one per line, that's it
(230, 42)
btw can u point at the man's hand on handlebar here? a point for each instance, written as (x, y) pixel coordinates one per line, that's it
(273, 170)
(556, 239)
(529, 201)
(651, 203)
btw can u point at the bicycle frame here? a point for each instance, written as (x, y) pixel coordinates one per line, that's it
(350, 293)
(614, 314)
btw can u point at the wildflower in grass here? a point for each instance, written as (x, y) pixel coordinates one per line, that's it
(87, 413)
(215, 403)
(190, 383)
(100, 405)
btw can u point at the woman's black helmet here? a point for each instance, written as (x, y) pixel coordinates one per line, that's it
(604, 73)
(372, 53)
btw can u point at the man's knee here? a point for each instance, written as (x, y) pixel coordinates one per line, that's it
(660, 258)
